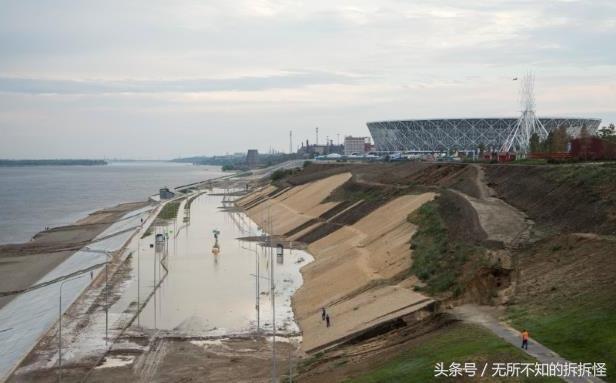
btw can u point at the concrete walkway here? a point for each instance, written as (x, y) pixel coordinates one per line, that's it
(485, 316)
(30, 315)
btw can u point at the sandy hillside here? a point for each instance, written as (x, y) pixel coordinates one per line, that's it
(350, 272)
(293, 207)
(359, 269)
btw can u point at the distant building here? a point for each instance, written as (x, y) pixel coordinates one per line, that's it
(252, 158)
(165, 193)
(357, 145)
(319, 150)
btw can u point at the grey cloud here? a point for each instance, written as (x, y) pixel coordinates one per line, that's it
(282, 81)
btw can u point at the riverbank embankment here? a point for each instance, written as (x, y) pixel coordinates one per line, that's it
(23, 264)
(361, 251)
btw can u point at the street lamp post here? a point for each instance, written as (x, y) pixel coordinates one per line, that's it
(138, 279)
(279, 255)
(272, 291)
(106, 300)
(108, 255)
(258, 289)
(60, 326)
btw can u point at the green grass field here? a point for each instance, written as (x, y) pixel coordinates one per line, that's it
(437, 260)
(170, 210)
(456, 343)
(580, 329)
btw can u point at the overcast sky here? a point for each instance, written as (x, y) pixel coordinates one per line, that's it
(162, 79)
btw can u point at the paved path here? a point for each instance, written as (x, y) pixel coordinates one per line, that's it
(485, 317)
(26, 318)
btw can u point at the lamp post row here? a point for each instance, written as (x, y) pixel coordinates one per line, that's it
(108, 255)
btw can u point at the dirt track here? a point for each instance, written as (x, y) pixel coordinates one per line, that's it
(502, 223)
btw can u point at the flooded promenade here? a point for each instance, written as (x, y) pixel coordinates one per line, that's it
(198, 287)
(210, 284)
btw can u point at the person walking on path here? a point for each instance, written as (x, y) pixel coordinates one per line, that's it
(327, 320)
(323, 313)
(525, 339)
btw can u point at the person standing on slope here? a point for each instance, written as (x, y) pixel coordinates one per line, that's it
(525, 339)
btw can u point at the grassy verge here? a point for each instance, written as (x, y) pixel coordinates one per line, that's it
(581, 328)
(437, 260)
(530, 161)
(352, 191)
(190, 201)
(280, 174)
(456, 343)
(600, 179)
(170, 210)
(148, 232)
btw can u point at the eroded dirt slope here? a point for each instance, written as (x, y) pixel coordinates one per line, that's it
(565, 198)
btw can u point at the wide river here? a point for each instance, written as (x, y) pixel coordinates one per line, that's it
(33, 197)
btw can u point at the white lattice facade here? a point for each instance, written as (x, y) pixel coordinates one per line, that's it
(465, 134)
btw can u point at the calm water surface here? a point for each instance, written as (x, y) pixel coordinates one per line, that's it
(38, 196)
(205, 293)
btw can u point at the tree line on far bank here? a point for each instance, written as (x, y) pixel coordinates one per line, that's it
(52, 162)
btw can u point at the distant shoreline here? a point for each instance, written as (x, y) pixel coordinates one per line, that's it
(15, 163)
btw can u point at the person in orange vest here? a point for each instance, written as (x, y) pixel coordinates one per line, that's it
(525, 339)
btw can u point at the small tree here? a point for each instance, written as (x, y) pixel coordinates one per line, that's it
(547, 144)
(584, 142)
(481, 147)
(559, 140)
(608, 133)
(279, 174)
(535, 143)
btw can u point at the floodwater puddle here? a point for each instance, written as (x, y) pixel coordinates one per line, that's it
(117, 361)
(208, 278)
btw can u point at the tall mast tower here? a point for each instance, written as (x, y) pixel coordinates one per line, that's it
(528, 123)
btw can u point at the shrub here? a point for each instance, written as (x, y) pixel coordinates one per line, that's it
(437, 260)
(279, 174)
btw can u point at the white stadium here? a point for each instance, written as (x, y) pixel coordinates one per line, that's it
(462, 134)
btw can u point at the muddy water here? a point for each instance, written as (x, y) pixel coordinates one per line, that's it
(205, 292)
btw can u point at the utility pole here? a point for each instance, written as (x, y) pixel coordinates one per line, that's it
(109, 258)
(272, 292)
(60, 335)
(155, 289)
(106, 302)
(60, 326)
(290, 368)
(138, 277)
(258, 288)
(290, 141)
